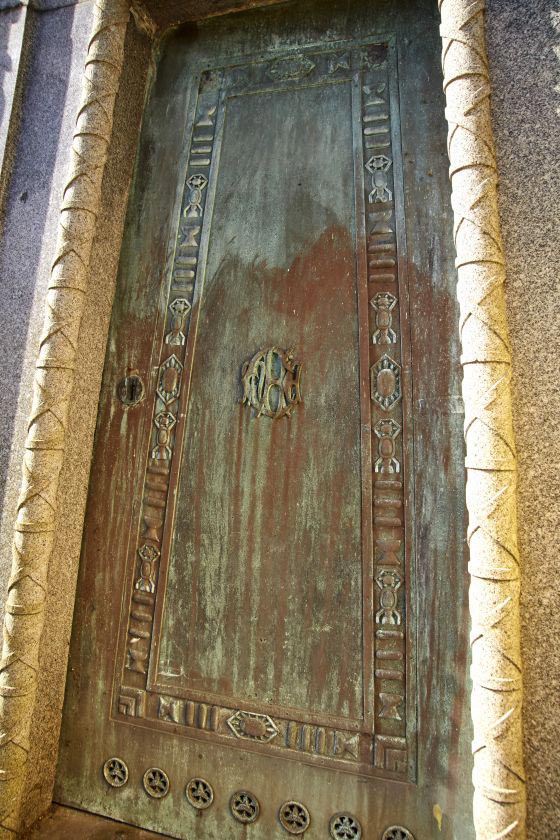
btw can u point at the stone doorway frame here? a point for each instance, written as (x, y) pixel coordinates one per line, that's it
(499, 787)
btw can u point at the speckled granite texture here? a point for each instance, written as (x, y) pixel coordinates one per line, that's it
(41, 125)
(525, 70)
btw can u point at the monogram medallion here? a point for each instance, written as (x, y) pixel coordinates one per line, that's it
(272, 382)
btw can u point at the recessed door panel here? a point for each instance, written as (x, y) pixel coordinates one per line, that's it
(271, 571)
(272, 491)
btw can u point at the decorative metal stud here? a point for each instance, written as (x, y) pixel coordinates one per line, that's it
(252, 726)
(397, 832)
(115, 772)
(169, 379)
(378, 166)
(389, 583)
(156, 783)
(244, 806)
(385, 377)
(294, 67)
(180, 308)
(196, 184)
(149, 554)
(345, 827)
(384, 303)
(294, 817)
(199, 793)
(387, 432)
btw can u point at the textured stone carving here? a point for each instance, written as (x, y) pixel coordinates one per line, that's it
(52, 390)
(499, 798)
(339, 62)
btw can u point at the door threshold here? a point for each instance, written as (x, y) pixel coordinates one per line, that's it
(62, 822)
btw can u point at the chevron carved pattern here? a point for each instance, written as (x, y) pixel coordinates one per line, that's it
(53, 383)
(499, 795)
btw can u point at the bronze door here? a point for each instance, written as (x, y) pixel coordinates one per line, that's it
(270, 631)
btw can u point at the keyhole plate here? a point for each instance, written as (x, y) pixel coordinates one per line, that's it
(130, 390)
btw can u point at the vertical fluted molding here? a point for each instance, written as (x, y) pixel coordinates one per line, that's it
(52, 391)
(498, 778)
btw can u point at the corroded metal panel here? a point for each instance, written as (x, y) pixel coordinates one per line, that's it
(271, 550)
(256, 506)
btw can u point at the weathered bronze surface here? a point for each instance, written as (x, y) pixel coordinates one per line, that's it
(62, 823)
(273, 606)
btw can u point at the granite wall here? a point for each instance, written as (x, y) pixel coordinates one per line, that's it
(524, 51)
(41, 60)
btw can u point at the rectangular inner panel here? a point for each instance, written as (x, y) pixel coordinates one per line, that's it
(265, 569)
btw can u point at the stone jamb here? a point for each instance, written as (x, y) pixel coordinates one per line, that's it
(52, 391)
(498, 777)
(499, 788)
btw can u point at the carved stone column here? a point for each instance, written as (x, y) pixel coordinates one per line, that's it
(499, 798)
(54, 380)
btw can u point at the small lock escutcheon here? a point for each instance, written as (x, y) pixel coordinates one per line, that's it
(130, 390)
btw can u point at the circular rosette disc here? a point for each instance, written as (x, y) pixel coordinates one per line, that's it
(244, 806)
(294, 817)
(344, 826)
(156, 783)
(199, 793)
(115, 772)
